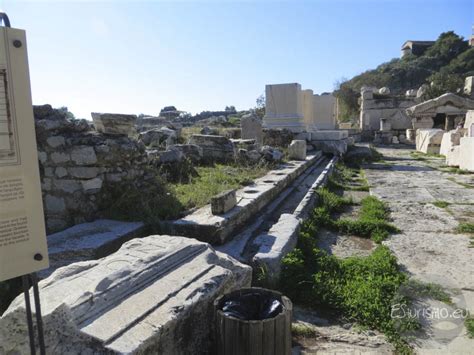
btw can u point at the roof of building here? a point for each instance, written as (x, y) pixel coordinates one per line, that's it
(443, 100)
(418, 43)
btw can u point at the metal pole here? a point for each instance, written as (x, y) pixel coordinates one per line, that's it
(39, 319)
(29, 317)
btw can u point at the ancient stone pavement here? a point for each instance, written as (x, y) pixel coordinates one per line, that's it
(428, 247)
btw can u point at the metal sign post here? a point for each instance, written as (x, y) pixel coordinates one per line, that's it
(23, 247)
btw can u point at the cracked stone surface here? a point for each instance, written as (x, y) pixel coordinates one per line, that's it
(428, 247)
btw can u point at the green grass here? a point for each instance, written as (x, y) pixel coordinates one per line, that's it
(344, 178)
(212, 180)
(372, 220)
(424, 156)
(469, 323)
(454, 170)
(465, 228)
(361, 289)
(303, 331)
(467, 186)
(441, 204)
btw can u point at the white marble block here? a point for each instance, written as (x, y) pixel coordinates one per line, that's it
(466, 153)
(429, 140)
(297, 150)
(154, 296)
(284, 107)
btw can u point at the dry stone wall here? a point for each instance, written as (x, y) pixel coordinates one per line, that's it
(77, 164)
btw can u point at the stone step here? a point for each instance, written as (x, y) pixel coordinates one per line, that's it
(89, 241)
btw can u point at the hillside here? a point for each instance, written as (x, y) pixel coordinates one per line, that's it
(444, 66)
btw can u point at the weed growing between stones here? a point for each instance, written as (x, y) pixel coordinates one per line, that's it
(424, 156)
(303, 331)
(362, 289)
(466, 228)
(372, 221)
(454, 170)
(467, 186)
(346, 178)
(441, 204)
(127, 202)
(469, 323)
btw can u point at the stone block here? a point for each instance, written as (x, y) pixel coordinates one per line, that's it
(84, 172)
(161, 137)
(84, 155)
(411, 134)
(170, 156)
(91, 185)
(324, 112)
(308, 110)
(329, 135)
(55, 141)
(191, 151)
(429, 140)
(113, 123)
(66, 185)
(469, 122)
(61, 172)
(153, 296)
(466, 156)
(449, 140)
(284, 107)
(274, 245)
(336, 147)
(59, 158)
(223, 202)
(54, 204)
(251, 127)
(214, 148)
(297, 150)
(453, 156)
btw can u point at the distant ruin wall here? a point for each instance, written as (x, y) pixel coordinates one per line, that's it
(77, 164)
(389, 107)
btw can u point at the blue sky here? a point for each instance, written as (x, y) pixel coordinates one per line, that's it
(138, 56)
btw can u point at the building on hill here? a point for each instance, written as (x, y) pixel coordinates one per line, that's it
(415, 47)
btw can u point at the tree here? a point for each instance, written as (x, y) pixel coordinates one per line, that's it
(260, 108)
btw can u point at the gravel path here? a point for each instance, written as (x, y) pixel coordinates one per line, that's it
(428, 247)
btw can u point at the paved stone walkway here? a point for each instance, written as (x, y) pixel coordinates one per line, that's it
(428, 247)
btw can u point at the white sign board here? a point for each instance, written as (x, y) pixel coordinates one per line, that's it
(23, 247)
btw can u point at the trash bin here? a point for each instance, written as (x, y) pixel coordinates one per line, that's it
(253, 321)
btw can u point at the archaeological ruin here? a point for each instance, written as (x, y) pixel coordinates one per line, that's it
(302, 225)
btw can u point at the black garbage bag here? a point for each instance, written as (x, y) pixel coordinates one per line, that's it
(252, 306)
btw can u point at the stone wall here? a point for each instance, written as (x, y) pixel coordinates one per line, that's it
(77, 164)
(375, 107)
